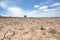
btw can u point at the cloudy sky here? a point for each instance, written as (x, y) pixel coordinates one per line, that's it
(31, 8)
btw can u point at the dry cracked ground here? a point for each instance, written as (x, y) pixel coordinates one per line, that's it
(29, 28)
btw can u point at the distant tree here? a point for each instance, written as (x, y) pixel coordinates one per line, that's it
(25, 16)
(9, 16)
(0, 15)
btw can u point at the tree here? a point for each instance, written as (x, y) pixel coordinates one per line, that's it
(25, 16)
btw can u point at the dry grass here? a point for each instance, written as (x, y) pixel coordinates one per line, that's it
(29, 28)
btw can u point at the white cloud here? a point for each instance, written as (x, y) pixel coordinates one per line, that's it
(3, 4)
(15, 11)
(48, 1)
(39, 13)
(46, 8)
(50, 10)
(49, 13)
(19, 12)
(43, 7)
(36, 6)
(56, 4)
(32, 13)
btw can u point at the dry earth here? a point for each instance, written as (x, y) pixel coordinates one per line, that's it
(29, 28)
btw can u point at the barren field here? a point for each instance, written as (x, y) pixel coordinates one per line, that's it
(29, 28)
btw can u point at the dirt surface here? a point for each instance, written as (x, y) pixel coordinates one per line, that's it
(29, 28)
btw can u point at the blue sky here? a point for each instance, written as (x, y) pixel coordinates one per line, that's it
(31, 8)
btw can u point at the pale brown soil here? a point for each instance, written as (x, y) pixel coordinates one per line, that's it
(29, 28)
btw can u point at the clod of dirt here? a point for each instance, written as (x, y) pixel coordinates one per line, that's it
(42, 28)
(53, 31)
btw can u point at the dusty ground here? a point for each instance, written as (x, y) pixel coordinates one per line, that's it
(29, 28)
